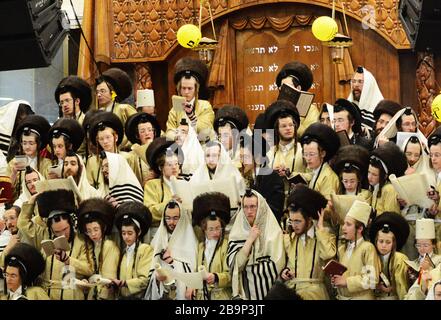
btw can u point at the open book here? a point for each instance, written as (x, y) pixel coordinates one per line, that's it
(414, 266)
(413, 188)
(301, 99)
(49, 246)
(177, 102)
(297, 179)
(55, 184)
(344, 138)
(188, 190)
(334, 267)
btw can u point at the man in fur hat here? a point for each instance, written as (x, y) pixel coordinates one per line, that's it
(299, 76)
(229, 122)
(112, 87)
(190, 77)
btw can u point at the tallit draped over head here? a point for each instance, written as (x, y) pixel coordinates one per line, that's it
(267, 256)
(370, 95)
(182, 244)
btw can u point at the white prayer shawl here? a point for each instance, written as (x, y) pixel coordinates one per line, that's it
(391, 130)
(431, 291)
(123, 184)
(183, 247)
(267, 256)
(85, 189)
(423, 164)
(193, 153)
(25, 195)
(225, 169)
(370, 95)
(8, 113)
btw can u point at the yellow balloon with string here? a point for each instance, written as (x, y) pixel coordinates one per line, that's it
(324, 28)
(436, 108)
(189, 36)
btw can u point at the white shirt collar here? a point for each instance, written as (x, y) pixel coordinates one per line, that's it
(310, 233)
(15, 295)
(168, 183)
(351, 246)
(287, 147)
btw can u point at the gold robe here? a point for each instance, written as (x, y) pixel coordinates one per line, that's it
(217, 265)
(136, 276)
(156, 196)
(398, 278)
(54, 271)
(108, 269)
(311, 117)
(388, 200)
(309, 281)
(362, 273)
(34, 228)
(326, 183)
(31, 293)
(205, 118)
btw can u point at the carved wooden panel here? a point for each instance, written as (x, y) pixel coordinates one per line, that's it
(143, 76)
(145, 30)
(427, 90)
(261, 55)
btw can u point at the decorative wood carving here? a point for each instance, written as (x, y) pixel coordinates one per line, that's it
(427, 90)
(145, 30)
(143, 76)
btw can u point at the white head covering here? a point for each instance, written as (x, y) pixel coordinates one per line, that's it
(370, 95)
(145, 98)
(8, 113)
(423, 164)
(84, 187)
(123, 184)
(225, 169)
(269, 243)
(183, 246)
(431, 292)
(193, 152)
(25, 195)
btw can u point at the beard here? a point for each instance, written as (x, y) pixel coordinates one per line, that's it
(75, 176)
(356, 94)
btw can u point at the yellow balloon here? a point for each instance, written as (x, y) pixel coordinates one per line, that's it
(436, 108)
(324, 28)
(189, 36)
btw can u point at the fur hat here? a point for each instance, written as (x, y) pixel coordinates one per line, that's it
(353, 109)
(280, 291)
(390, 221)
(393, 158)
(70, 128)
(311, 201)
(28, 259)
(299, 70)
(158, 147)
(325, 136)
(34, 123)
(79, 87)
(260, 122)
(120, 82)
(386, 106)
(105, 120)
(211, 202)
(435, 137)
(131, 127)
(136, 211)
(95, 208)
(186, 67)
(281, 108)
(354, 155)
(56, 200)
(232, 114)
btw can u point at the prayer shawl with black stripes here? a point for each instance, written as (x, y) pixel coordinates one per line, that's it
(8, 113)
(183, 247)
(123, 184)
(267, 256)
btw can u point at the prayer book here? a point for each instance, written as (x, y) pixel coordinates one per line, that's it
(49, 246)
(297, 179)
(414, 266)
(334, 267)
(384, 280)
(301, 99)
(343, 202)
(344, 138)
(413, 189)
(177, 102)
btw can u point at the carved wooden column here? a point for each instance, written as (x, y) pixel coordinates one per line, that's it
(143, 76)
(427, 90)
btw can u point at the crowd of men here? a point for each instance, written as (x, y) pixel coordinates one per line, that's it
(107, 204)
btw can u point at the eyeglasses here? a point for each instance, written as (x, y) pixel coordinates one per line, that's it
(65, 101)
(424, 245)
(294, 222)
(10, 275)
(339, 120)
(310, 155)
(92, 231)
(168, 219)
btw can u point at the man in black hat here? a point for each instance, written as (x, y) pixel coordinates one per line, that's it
(190, 77)
(347, 117)
(229, 123)
(383, 113)
(112, 87)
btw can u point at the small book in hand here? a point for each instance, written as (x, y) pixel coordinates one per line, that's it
(384, 280)
(60, 243)
(178, 102)
(334, 267)
(344, 138)
(301, 99)
(297, 179)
